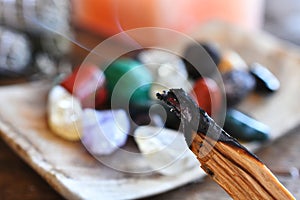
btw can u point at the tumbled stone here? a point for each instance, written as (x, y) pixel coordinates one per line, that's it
(64, 114)
(265, 80)
(127, 80)
(231, 60)
(237, 84)
(245, 128)
(207, 95)
(166, 80)
(165, 150)
(154, 113)
(201, 59)
(168, 70)
(104, 131)
(155, 60)
(87, 83)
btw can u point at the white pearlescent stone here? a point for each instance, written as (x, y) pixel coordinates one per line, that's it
(154, 59)
(167, 69)
(64, 114)
(104, 131)
(165, 150)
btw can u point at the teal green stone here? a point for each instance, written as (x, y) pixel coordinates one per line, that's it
(128, 79)
(244, 127)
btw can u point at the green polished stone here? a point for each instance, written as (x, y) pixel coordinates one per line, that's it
(245, 128)
(127, 80)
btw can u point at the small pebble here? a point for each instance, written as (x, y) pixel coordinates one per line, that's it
(165, 150)
(265, 80)
(201, 60)
(64, 114)
(231, 60)
(153, 113)
(245, 128)
(208, 95)
(165, 68)
(127, 80)
(87, 83)
(237, 84)
(104, 131)
(154, 59)
(169, 79)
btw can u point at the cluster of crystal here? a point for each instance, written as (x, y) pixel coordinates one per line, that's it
(165, 150)
(104, 131)
(64, 114)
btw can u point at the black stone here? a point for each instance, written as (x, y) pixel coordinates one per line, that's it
(201, 60)
(265, 81)
(140, 114)
(237, 84)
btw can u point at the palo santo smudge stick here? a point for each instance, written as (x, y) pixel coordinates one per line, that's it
(239, 172)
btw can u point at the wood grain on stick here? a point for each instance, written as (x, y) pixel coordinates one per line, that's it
(239, 172)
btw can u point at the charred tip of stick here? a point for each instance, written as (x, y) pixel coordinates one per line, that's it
(171, 100)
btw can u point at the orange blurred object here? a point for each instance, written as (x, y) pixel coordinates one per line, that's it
(207, 95)
(108, 17)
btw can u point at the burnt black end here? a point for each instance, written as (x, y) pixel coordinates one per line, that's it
(171, 100)
(191, 116)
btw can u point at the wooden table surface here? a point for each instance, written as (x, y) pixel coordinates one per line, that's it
(19, 181)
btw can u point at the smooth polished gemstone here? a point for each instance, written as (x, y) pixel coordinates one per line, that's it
(231, 60)
(127, 80)
(165, 150)
(173, 81)
(237, 84)
(168, 70)
(207, 95)
(154, 113)
(245, 128)
(64, 114)
(87, 83)
(265, 80)
(154, 59)
(201, 59)
(104, 131)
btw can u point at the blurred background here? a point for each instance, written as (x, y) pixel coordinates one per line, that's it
(37, 39)
(41, 39)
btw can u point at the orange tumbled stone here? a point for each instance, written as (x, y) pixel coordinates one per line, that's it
(208, 95)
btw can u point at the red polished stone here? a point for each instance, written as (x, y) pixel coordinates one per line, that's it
(207, 94)
(87, 83)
